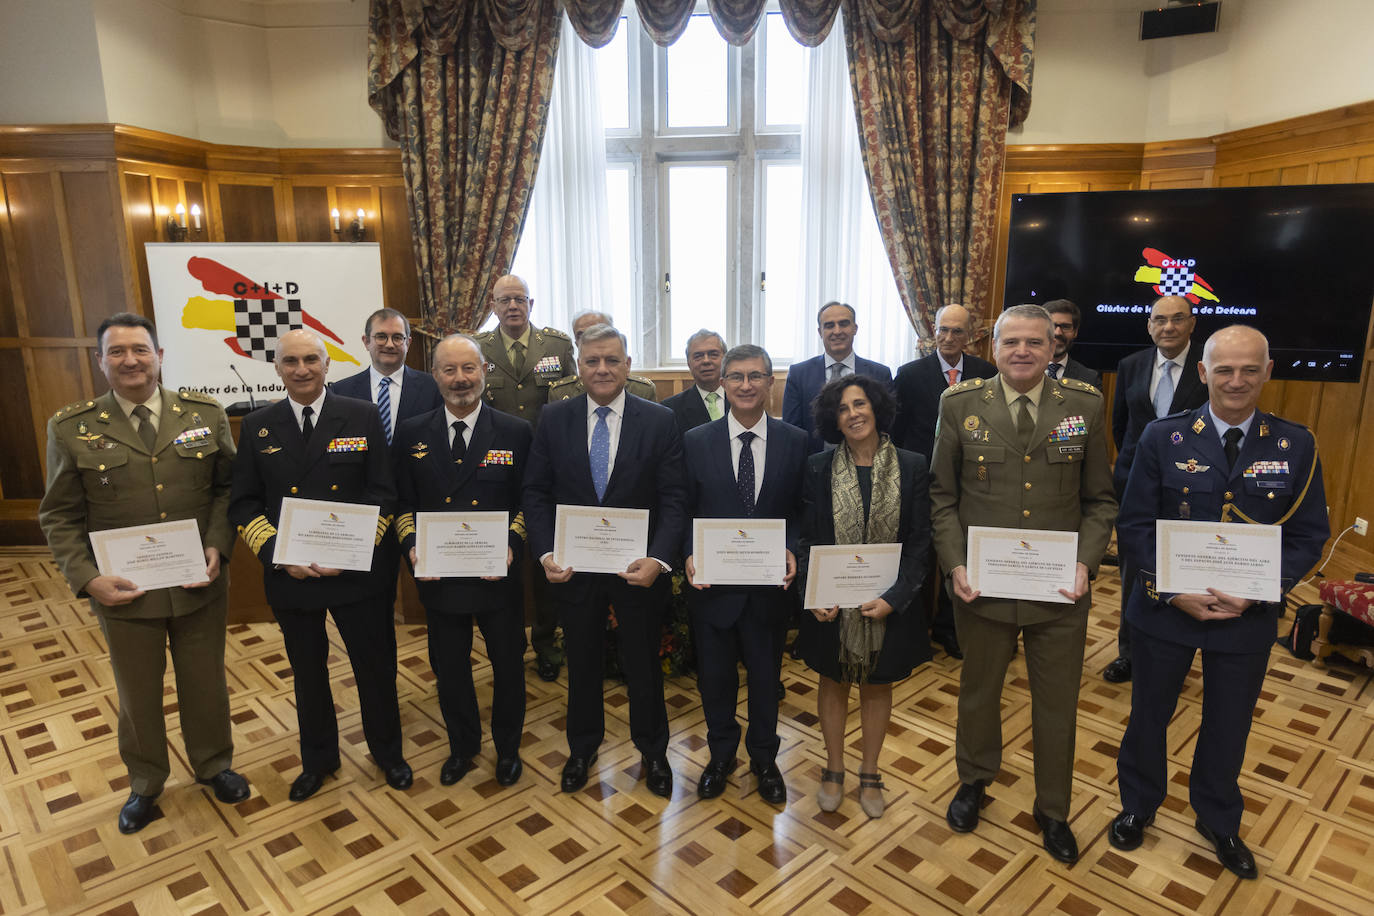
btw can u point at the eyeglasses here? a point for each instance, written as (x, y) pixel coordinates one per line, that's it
(736, 378)
(516, 300)
(951, 332)
(397, 339)
(1160, 321)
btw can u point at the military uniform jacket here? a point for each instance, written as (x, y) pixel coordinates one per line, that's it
(487, 479)
(1179, 472)
(100, 476)
(980, 475)
(346, 460)
(524, 394)
(572, 386)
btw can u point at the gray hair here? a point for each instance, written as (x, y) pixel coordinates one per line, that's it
(701, 335)
(456, 337)
(1024, 311)
(587, 313)
(741, 352)
(601, 332)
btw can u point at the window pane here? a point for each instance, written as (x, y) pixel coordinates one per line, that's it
(781, 298)
(621, 241)
(613, 73)
(697, 242)
(699, 77)
(784, 80)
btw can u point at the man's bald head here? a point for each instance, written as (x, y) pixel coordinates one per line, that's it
(1235, 365)
(952, 326)
(511, 302)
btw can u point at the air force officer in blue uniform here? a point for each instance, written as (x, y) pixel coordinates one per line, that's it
(1224, 461)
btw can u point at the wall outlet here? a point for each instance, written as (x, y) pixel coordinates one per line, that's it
(1361, 526)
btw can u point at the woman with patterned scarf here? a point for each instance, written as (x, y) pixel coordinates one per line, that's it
(864, 491)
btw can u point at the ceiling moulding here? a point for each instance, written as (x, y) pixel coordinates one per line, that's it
(280, 14)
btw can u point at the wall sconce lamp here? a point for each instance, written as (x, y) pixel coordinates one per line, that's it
(176, 228)
(354, 231)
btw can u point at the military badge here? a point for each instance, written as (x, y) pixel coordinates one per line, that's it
(549, 367)
(347, 444)
(195, 418)
(270, 450)
(1068, 428)
(1266, 467)
(1199, 425)
(1184, 510)
(105, 416)
(1284, 443)
(1191, 466)
(498, 456)
(104, 481)
(1176, 437)
(193, 436)
(982, 472)
(262, 433)
(1264, 429)
(176, 408)
(970, 423)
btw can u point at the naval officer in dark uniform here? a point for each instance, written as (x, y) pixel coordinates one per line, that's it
(1224, 461)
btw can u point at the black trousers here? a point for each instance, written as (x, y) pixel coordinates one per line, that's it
(450, 655)
(639, 616)
(369, 636)
(1231, 683)
(756, 638)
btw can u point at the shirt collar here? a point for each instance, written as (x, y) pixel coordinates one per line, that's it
(375, 377)
(1180, 360)
(315, 405)
(470, 418)
(958, 367)
(1222, 426)
(507, 340)
(759, 429)
(720, 390)
(847, 362)
(154, 403)
(1011, 394)
(617, 406)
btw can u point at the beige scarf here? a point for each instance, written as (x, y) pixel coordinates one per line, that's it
(861, 638)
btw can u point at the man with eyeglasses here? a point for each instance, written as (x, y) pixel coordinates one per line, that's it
(1067, 318)
(837, 323)
(1150, 384)
(919, 386)
(705, 400)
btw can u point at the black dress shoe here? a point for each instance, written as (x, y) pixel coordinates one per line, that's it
(400, 777)
(1059, 841)
(1231, 852)
(713, 778)
(547, 668)
(771, 787)
(454, 769)
(658, 775)
(964, 809)
(508, 770)
(1128, 830)
(137, 812)
(575, 772)
(307, 784)
(230, 787)
(1119, 671)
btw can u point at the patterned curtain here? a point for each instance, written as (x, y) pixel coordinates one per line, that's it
(463, 86)
(936, 84)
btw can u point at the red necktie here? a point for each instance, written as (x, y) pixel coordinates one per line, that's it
(953, 375)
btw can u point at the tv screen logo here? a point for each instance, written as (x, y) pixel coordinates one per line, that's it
(1173, 277)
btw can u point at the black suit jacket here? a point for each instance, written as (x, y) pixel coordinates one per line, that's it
(419, 393)
(1132, 409)
(488, 480)
(274, 462)
(690, 410)
(648, 474)
(919, 386)
(1074, 369)
(712, 493)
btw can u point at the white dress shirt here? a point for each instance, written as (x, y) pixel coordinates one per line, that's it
(297, 407)
(470, 419)
(945, 367)
(848, 363)
(1160, 362)
(759, 447)
(375, 382)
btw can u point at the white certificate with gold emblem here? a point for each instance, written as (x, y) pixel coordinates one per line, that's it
(334, 535)
(739, 551)
(848, 575)
(165, 555)
(461, 543)
(1243, 561)
(1022, 563)
(599, 539)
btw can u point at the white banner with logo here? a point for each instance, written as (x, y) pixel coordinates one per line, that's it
(219, 309)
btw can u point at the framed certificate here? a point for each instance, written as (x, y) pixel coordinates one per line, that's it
(461, 543)
(334, 535)
(739, 551)
(599, 539)
(165, 555)
(847, 575)
(1025, 563)
(1239, 560)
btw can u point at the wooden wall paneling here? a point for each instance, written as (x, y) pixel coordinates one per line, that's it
(399, 276)
(97, 239)
(1364, 168)
(21, 464)
(140, 225)
(194, 192)
(310, 205)
(1337, 428)
(41, 253)
(247, 208)
(166, 196)
(9, 296)
(57, 376)
(349, 199)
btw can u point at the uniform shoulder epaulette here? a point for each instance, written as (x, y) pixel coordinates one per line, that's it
(640, 378)
(564, 382)
(73, 409)
(1078, 385)
(483, 336)
(189, 394)
(968, 384)
(554, 332)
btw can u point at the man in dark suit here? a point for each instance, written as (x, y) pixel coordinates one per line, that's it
(1067, 318)
(704, 401)
(609, 448)
(317, 445)
(745, 465)
(1150, 384)
(919, 386)
(837, 323)
(1223, 462)
(465, 457)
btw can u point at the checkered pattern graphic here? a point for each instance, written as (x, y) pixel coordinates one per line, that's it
(1175, 281)
(259, 322)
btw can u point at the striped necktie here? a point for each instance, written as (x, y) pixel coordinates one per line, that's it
(384, 405)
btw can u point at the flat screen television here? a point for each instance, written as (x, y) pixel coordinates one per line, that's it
(1295, 262)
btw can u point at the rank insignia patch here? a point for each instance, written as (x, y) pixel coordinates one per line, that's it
(347, 444)
(498, 456)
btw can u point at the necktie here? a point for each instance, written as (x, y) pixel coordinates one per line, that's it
(600, 452)
(517, 357)
(1164, 391)
(745, 478)
(384, 406)
(952, 375)
(307, 425)
(459, 447)
(1232, 446)
(836, 370)
(1025, 426)
(1055, 369)
(145, 425)
(713, 405)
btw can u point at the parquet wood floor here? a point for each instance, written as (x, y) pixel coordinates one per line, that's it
(359, 847)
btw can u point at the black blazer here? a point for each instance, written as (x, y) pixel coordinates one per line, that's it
(488, 480)
(913, 529)
(648, 474)
(1074, 369)
(690, 410)
(919, 386)
(1132, 409)
(419, 393)
(274, 462)
(711, 493)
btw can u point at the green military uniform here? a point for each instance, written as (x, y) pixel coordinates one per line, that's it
(523, 394)
(101, 476)
(982, 474)
(637, 385)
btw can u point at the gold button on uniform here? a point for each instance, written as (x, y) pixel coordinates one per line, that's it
(200, 454)
(1028, 484)
(518, 387)
(158, 488)
(333, 486)
(1185, 491)
(162, 515)
(1025, 513)
(293, 490)
(101, 468)
(474, 502)
(981, 459)
(1027, 459)
(1270, 494)
(1230, 495)
(522, 406)
(448, 499)
(154, 459)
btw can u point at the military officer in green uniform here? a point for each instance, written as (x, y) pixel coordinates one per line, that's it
(525, 360)
(141, 454)
(1021, 450)
(572, 386)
